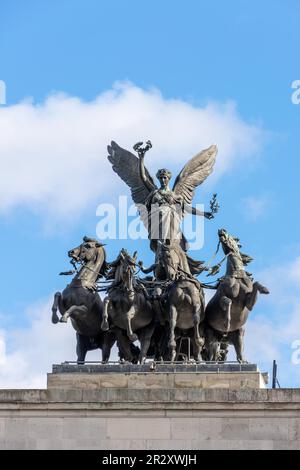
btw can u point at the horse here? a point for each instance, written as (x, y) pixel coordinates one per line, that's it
(126, 305)
(227, 311)
(81, 302)
(182, 299)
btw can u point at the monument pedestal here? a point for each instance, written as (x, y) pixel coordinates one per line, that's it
(151, 376)
(205, 406)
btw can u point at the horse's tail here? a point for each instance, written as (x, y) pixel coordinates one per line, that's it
(101, 259)
(104, 268)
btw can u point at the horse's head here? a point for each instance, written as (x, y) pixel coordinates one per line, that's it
(126, 269)
(168, 260)
(89, 250)
(229, 243)
(231, 247)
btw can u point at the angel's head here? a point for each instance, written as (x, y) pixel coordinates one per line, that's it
(164, 177)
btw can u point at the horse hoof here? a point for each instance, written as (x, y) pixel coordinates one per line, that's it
(63, 320)
(199, 342)
(105, 326)
(133, 337)
(263, 290)
(55, 318)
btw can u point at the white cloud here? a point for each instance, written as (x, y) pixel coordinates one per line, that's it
(53, 155)
(27, 355)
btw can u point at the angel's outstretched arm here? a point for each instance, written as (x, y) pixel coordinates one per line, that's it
(143, 174)
(192, 210)
(147, 270)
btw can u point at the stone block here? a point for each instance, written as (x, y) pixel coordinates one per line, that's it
(95, 396)
(16, 429)
(77, 428)
(113, 380)
(194, 428)
(184, 428)
(286, 445)
(123, 444)
(235, 428)
(159, 395)
(295, 395)
(280, 395)
(270, 429)
(226, 444)
(64, 395)
(179, 394)
(188, 380)
(44, 428)
(2, 428)
(117, 395)
(216, 395)
(146, 428)
(248, 395)
(22, 395)
(73, 381)
(20, 444)
(195, 394)
(294, 429)
(168, 444)
(150, 380)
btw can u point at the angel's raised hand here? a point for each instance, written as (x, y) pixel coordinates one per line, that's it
(137, 147)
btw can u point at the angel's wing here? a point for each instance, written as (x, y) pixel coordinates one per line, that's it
(194, 173)
(126, 165)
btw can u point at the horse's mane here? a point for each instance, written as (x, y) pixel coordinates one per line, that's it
(104, 268)
(246, 259)
(111, 268)
(111, 272)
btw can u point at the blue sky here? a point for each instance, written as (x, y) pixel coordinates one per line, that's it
(216, 54)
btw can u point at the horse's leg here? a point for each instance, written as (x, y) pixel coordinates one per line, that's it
(57, 297)
(107, 343)
(223, 351)
(172, 340)
(225, 304)
(123, 345)
(238, 343)
(197, 338)
(145, 339)
(105, 324)
(251, 298)
(74, 308)
(129, 315)
(214, 350)
(211, 345)
(82, 347)
(161, 353)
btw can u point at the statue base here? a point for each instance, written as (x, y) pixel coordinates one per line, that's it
(175, 406)
(158, 376)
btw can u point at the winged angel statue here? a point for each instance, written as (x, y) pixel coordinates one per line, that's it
(162, 209)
